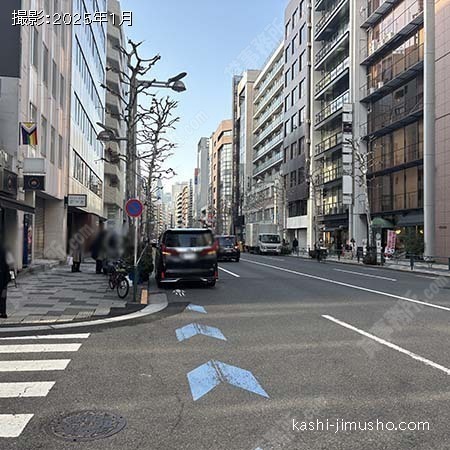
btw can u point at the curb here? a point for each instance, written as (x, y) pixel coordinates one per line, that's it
(159, 303)
(406, 269)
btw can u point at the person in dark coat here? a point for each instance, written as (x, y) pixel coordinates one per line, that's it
(5, 278)
(295, 246)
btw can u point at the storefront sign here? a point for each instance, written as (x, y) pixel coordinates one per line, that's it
(77, 200)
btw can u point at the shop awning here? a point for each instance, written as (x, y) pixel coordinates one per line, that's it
(11, 203)
(410, 220)
(379, 222)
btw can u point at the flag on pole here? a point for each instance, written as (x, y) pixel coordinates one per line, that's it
(28, 133)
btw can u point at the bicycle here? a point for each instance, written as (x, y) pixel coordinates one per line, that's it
(118, 279)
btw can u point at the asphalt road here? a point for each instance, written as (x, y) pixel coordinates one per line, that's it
(319, 341)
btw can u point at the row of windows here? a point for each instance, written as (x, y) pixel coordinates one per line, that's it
(296, 94)
(57, 9)
(296, 68)
(82, 120)
(297, 120)
(298, 208)
(294, 178)
(298, 13)
(297, 41)
(87, 77)
(294, 150)
(85, 175)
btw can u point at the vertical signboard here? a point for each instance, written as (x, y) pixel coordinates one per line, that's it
(10, 54)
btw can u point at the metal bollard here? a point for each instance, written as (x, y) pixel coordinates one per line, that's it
(411, 262)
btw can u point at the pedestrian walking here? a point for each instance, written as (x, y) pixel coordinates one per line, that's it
(77, 256)
(295, 246)
(98, 249)
(5, 278)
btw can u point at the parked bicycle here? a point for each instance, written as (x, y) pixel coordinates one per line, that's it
(118, 278)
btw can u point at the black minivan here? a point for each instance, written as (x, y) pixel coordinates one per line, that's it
(186, 254)
(228, 248)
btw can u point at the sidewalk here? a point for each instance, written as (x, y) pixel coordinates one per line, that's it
(403, 266)
(57, 295)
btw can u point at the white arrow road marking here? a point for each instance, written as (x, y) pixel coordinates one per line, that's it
(230, 273)
(389, 344)
(12, 425)
(47, 336)
(26, 389)
(365, 274)
(340, 283)
(39, 348)
(34, 365)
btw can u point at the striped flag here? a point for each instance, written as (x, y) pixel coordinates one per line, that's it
(28, 133)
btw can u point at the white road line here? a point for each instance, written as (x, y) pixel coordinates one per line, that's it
(365, 274)
(33, 365)
(389, 344)
(39, 348)
(48, 336)
(12, 425)
(340, 283)
(26, 389)
(231, 273)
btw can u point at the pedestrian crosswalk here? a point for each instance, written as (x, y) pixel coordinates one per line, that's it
(12, 424)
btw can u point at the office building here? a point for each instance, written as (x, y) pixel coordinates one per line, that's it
(201, 182)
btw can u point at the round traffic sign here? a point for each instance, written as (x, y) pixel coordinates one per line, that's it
(134, 207)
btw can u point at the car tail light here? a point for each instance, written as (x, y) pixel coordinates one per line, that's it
(216, 274)
(168, 251)
(210, 250)
(163, 275)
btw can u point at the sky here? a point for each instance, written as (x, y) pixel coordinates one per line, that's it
(210, 40)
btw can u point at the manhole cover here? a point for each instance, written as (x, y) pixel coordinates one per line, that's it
(87, 425)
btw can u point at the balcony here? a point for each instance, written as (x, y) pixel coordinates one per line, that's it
(269, 77)
(331, 77)
(262, 103)
(276, 123)
(402, 158)
(391, 117)
(337, 42)
(330, 174)
(330, 142)
(374, 10)
(332, 108)
(397, 202)
(393, 32)
(271, 162)
(277, 140)
(334, 13)
(319, 5)
(400, 71)
(331, 209)
(277, 104)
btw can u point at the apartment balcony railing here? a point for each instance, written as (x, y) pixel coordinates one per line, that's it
(277, 103)
(332, 75)
(374, 10)
(400, 157)
(331, 209)
(328, 143)
(276, 123)
(395, 74)
(330, 45)
(397, 202)
(332, 107)
(329, 175)
(393, 32)
(390, 117)
(328, 16)
(277, 158)
(269, 94)
(278, 139)
(269, 78)
(319, 4)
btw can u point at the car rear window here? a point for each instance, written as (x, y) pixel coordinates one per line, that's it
(189, 239)
(227, 240)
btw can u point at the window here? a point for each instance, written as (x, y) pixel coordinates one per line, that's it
(286, 128)
(294, 18)
(302, 61)
(302, 89)
(43, 135)
(60, 152)
(302, 116)
(286, 77)
(285, 156)
(301, 8)
(62, 88)
(293, 179)
(294, 69)
(35, 48)
(54, 79)
(293, 150)
(294, 123)
(286, 103)
(286, 54)
(45, 65)
(52, 145)
(293, 43)
(288, 29)
(301, 146)
(301, 175)
(303, 34)
(293, 96)
(33, 113)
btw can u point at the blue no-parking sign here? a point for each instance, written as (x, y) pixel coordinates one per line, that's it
(134, 207)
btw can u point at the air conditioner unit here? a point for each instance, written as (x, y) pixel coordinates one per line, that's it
(372, 90)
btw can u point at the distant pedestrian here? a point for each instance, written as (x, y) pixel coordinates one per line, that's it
(5, 278)
(295, 246)
(77, 255)
(98, 249)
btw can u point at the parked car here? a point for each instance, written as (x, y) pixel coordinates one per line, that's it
(186, 254)
(228, 248)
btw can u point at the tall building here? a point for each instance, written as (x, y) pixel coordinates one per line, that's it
(177, 189)
(242, 145)
(265, 199)
(221, 178)
(114, 186)
(86, 168)
(35, 79)
(201, 182)
(296, 111)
